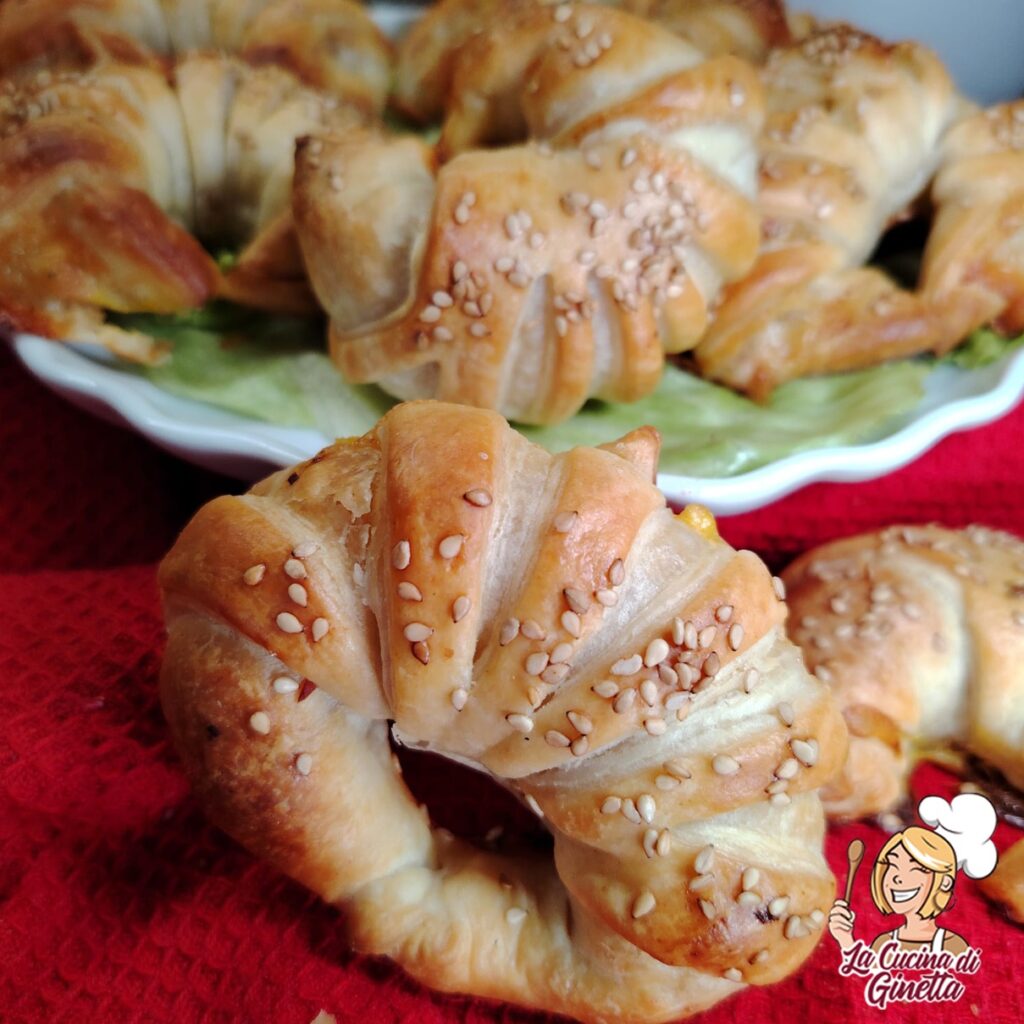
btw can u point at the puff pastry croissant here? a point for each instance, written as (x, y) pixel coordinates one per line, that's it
(531, 278)
(919, 630)
(105, 174)
(852, 136)
(545, 619)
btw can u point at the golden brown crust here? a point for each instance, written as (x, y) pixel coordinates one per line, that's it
(919, 631)
(1006, 884)
(444, 573)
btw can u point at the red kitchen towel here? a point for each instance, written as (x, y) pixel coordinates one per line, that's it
(117, 901)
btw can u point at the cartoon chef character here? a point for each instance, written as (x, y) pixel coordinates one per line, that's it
(915, 872)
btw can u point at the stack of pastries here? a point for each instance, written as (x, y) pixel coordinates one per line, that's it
(614, 185)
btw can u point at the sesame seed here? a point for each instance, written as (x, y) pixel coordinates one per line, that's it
(479, 330)
(563, 12)
(676, 701)
(554, 674)
(649, 692)
(417, 631)
(708, 909)
(562, 652)
(643, 904)
(627, 158)
(732, 973)
(460, 608)
(554, 738)
(788, 769)
(794, 928)
(666, 782)
(817, 916)
(287, 623)
(706, 637)
(780, 799)
(624, 701)
(532, 631)
(320, 629)
(478, 497)
(724, 613)
(762, 956)
(664, 843)
(461, 214)
(259, 722)
(295, 569)
(565, 521)
(690, 637)
(571, 623)
(297, 592)
(750, 878)
(778, 786)
(611, 805)
(304, 764)
(655, 726)
(668, 675)
(515, 915)
(536, 663)
(607, 598)
(646, 806)
(711, 665)
(701, 882)
(442, 299)
(630, 813)
(616, 572)
(778, 906)
(786, 712)
(806, 751)
(521, 723)
(459, 271)
(531, 802)
(284, 684)
(450, 546)
(459, 697)
(779, 587)
(607, 688)
(254, 574)
(579, 746)
(656, 653)
(401, 555)
(748, 899)
(735, 636)
(409, 591)
(627, 666)
(723, 764)
(509, 631)
(650, 838)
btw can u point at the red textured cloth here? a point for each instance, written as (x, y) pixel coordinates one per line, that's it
(117, 901)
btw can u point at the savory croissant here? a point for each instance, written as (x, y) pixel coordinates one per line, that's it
(1006, 884)
(852, 136)
(532, 278)
(920, 632)
(974, 260)
(332, 45)
(431, 55)
(104, 174)
(547, 620)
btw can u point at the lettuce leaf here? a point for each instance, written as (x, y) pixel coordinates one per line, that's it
(982, 348)
(273, 368)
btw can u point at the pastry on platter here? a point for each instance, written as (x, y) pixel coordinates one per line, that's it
(544, 619)
(852, 136)
(531, 278)
(919, 631)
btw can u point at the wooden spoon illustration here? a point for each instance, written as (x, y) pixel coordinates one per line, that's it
(854, 854)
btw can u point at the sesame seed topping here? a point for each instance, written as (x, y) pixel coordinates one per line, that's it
(320, 629)
(786, 713)
(733, 973)
(450, 546)
(711, 664)
(611, 805)
(706, 637)
(655, 726)
(576, 600)
(607, 688)
(780, 799)
(579, 746)
(624, 701)
(254, 574)
(536, 663)
(723, 764)
(708, 909)
(649, 692)
(788, 769)
(778, 906)
(305, 549)
(806, 751)
(750, 878)
(417, 631)
(735, 636)
(627, 666)
(515, 915)
(460, 608)
(287, 623)
(532, 631)
(561, 652)
(304, 764)
(478, 497)
(554, 674)
(580, 722)
(701, 882)
(259, 722)
(509, 631)
(459, 698)
(284, 684)
(646, 806)
(724, 613)
(794, 928)
(442, 299)
(616, 572)
(295, 569)
(690, 637)
(554, 738)
(409, 591)
(779, 587)
(571, 623)
(297, 592)
(643, 904)
(607, 598)
(521, 723)
(630, 813)
(401, 555)
(565, 521)
(666, 782)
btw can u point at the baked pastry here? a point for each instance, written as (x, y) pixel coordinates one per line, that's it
(332, 45)
(973, 263)
(531, 278)
(1005, 885)
(431, 52)
(545, 619)
(851, 138)
(919, 630)
(108, 174)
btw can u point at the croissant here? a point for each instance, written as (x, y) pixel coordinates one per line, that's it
(547, 620)
(531, 278)
(107, 174)
(973, 266)
(431, 58)
(852, 136)
(919, 630)
(332, 45)
(1006, 884)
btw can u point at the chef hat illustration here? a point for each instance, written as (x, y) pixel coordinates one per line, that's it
(966, 823)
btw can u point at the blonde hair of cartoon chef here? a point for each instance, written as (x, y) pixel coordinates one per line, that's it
(929, 851)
